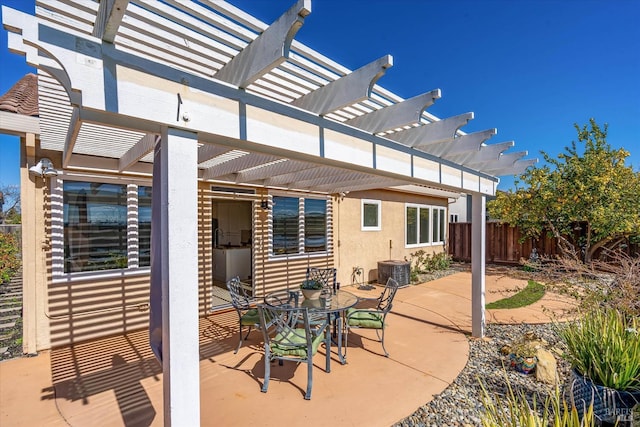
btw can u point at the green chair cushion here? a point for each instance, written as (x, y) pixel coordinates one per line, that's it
(250, 318)
(364, 319)
(294, 344)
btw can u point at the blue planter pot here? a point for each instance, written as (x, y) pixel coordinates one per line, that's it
(609, 405)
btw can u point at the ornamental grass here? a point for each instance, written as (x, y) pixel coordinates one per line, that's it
(513, 409)
(604, 346)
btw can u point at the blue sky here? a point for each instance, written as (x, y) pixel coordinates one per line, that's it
(531, 69)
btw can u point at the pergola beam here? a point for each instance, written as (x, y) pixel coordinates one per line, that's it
(272, 170)
(245, 162)
(207, 152)
(363, 184)
(72, 136)
(431, 133)
(141, 148)
(349, 89)
(396, 115)
(110, 14)
(331, 178)
(268, 50)
(465, 143)
(518, 167)
(502, 161)
(485, 153)
(288, 178)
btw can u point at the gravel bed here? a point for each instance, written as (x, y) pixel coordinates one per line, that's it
(460, 404)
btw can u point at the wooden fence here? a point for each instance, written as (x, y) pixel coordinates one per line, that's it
(502, 243)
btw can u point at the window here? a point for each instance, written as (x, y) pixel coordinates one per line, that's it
(438, 225)
(315, 225)
(424, 225)
(293, 236)
(285, 225)
(453, 218)
(99, 231)
(144, 226)
(371, 213)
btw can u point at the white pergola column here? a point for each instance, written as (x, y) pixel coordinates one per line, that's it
(179, 238)
(478, 244)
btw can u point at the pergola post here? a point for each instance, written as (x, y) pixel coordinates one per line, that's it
(478, 244)
(179, 239)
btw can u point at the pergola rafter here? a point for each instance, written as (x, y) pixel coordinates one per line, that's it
(486, 153)
(470, 142)
(240, 163)
(433, 132)
(347, 90)
(396, 115)
(268, 50)
(110, 14)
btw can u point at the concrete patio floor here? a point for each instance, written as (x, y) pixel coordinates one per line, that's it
(117, 381)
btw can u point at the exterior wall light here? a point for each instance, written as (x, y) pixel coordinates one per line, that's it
(44, 168)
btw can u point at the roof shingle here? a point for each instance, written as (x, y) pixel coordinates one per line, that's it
(22, 98)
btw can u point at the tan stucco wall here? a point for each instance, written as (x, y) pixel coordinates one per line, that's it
(72, 309)
(35, 199)
(357, 248)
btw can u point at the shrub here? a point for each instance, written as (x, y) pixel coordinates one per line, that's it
(613, 283)
(422, 262)
(9, 261)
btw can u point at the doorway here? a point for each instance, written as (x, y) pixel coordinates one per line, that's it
(232, 240)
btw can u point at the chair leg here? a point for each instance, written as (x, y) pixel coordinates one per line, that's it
(267, 369)
(343, 356)
(307, 396)
(327, 345)
(346, 339)
(240, 340)
(248, 332)
(382, 341)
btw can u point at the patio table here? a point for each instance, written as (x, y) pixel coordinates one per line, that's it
(332, 305)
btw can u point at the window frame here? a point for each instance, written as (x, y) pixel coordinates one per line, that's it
(302, 252)
(377, 203)
(132, 187)
(436, 233)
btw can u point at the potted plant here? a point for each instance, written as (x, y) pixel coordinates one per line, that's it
(311, 289)
(603, 347)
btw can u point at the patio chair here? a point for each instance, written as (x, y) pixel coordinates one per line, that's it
(326, 276)
(372, 318)
(241, 301)
(289, 335)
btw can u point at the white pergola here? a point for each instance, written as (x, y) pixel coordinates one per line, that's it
(229, 98)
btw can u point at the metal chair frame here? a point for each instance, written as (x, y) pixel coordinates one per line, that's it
(290, 328)
(383, 307)
(327, 276)
(242, 301)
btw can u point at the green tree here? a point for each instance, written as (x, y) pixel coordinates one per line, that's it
(594, 192)
(10, 204)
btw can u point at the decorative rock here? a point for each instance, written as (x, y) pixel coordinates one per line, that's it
(460, 404)
(547, 368)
